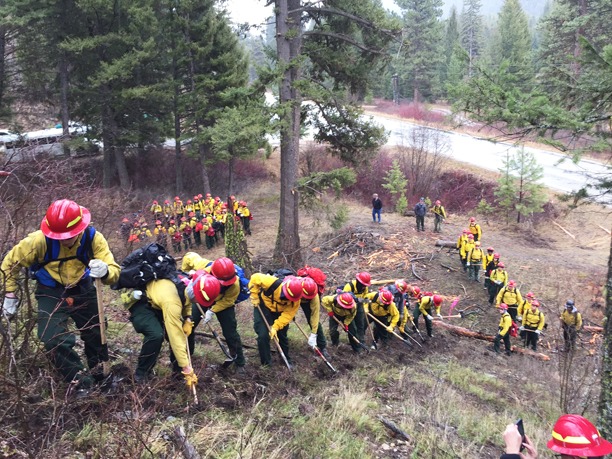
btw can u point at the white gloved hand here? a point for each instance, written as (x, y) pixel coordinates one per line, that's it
(521, 328)
(519, 318)
(208, 316)
(137, 294)
(428, 317)
(191, 272)
(97, 268)
(9, 307)
(538, 331)
(467, 264)
(439, 315)
(312, 340)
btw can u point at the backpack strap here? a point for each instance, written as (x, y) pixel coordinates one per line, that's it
(271, 289)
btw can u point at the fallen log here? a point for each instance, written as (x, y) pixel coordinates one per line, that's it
(448, 267)
(442, 243)
(593, 329)
(478, 335)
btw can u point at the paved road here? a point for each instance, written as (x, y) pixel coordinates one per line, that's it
(559, 175)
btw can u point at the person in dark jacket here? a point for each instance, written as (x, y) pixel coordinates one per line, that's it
(419, 211)
(376, 207)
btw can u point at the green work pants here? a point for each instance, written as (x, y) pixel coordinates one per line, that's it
(263, 335)
(150, 323)
(321, 342)
(55, 307)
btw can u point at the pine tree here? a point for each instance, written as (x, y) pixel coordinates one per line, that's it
(397, 184)
(421, 51)
(520, 189)
(511, 50)
(450, 71)
(471, 31)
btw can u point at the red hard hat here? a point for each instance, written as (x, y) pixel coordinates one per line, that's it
(346, 300)
(192, 214)
(416, 290)
(501, 265)
(176, 198)
(309, 288)
(292, 288)
(503, 306)
(172, 222)
(512, 283)
(155, 202)
(437, 299)
(496, 256)
(438, 202)
(465, 231)
(166, 201)
(64, 219)
(574, 435)
(136, 224)
(401, 285)
(472, 219)
(189, 201)
(200, 195)
(530, 295)
(183, 219)
(535, 303)
(470, 236)
(224, 270)
(490, 249)
(125, 220)
(364, 278)
(158, 222)
(206, 289)
(386, 297)
(195, 198)
(208, 195)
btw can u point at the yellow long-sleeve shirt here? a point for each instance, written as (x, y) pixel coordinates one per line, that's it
(329, 304)
(162, 295)
(466, 248)
(475, 256)
(378, 309)
(352, 287)
(533, 319)
(505, 323)
(258, 284)
(32, 249)
(499, 275)
(510, 297)
(426, 304)
(573, 319)
(476, 231)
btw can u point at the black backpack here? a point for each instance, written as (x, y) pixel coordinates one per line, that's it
(280, 275)
(146, 264)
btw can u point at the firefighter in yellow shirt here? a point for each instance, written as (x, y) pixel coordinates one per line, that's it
(474, 262)
(498, 278)
(505, 323)
(533, 323)
(465, 249)
(571, 323)
(425, 307)
(278, 300)
(475, 229)
(381, 305)
(439, 216)
(341, 307)
(156, 211)
(511, 296)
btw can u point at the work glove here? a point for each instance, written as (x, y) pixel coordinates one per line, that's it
(208, 315)
(312, 340)
(97, 268)
(428, 317)
(346, 328)
(401, 329)
(521, 328)
(499, 336)
(519, 318)
(191, 273)
(498, 282)
(538, 332)
(467, 264)
(390, 329)
(439, 315)
(273, 333)
(9, 307)
(190, 378)
(188, 326)
(331, 314)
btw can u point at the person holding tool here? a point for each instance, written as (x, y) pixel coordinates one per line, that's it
(64, 257)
